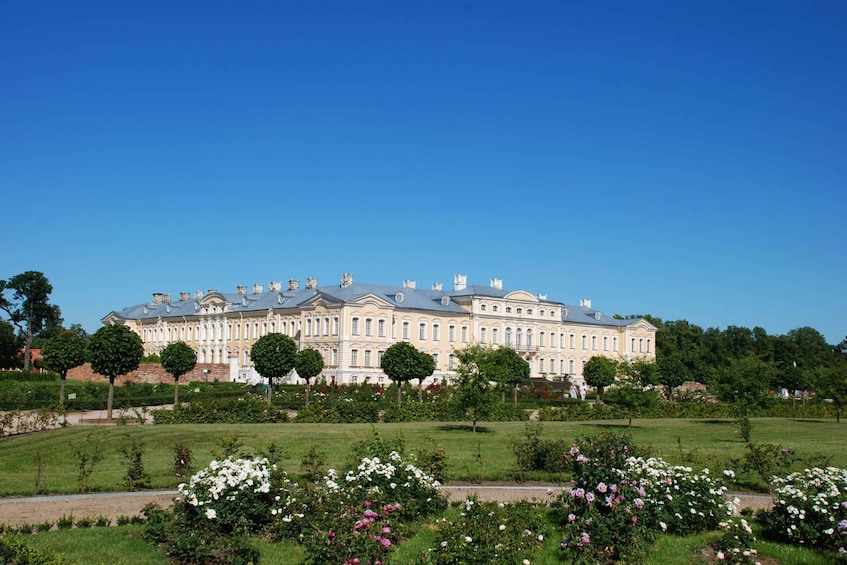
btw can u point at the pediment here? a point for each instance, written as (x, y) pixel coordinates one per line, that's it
(522, 295)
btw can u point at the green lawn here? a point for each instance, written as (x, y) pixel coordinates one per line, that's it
(481, 456)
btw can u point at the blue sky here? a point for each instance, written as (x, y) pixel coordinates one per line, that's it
(682, 159)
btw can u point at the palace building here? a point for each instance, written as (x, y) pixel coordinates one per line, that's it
(352, 324)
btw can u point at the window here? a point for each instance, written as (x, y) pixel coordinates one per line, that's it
(614, 344)
(317, 327)
(520, 311)
(508, 336)
(326, 326)
(354, 326)
(354, 357)
(435, 358)
(541, 312)
(648, 346)
(483, 307)
(335, 325)
(641, 346)
(594, 343)
(552, 365)
(436, 331)
(542, 339)
(519, 338)
(483, 335)
(379, 358)
(405, 330)
(354, 379)
(570, 367)
(494, 336)
(495, 308)
(246, 331)
(451, 333)
(367, 357)
(308, 327)
(369, 331)
(422, 332)
(584, 342)
(529, 311)
(632, 346)
(508, 309)
(229, 331)
(451, 362)
(572, 339)
(464, 334)
(380, 328)
(605, 343)
(335, 357)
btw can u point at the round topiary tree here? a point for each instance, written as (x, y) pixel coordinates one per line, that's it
(114, 350)
(178, 359)
(273, 356)
(61, 354)
(309, 364)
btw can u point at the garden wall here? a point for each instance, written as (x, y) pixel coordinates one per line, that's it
(154, 373)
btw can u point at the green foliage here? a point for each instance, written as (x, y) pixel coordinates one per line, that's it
(274, 355)
(14, 550)
(810, 508)
(24, 298)
(535, 454)
(64, 352)
(65, 522)
(403, 362)
(10, 346)
(87, 457)
(342, 412)
(765, 460)
(178, 359)
(247, 410)
(136, 476)
(600, 372)
(313, 463)
(114, 350)
(490, 532)
(309, 364)
(631, 395)
(594, 459)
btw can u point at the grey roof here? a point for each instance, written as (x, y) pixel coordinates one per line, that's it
(400, 297)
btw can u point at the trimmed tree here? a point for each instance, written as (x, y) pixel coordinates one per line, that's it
(426, 367)
(61, 354)
(403, 362)
(600, 372)
(114, 350)
(474, 388)
(309, 364)
(508, 370)
(178, 359)
(273, 356)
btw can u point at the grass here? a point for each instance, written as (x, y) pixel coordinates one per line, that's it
(470, 457)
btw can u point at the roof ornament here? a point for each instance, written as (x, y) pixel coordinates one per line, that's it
(445, 300)
(399, 297)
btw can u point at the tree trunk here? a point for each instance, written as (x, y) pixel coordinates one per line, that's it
(399, 391)
(111, 397)
(62, 389)
(28, 351)
(474, 421)
(516, 395)
(176, 391)
(502, 396)
(307, 392)
(629, 425)
(420, 390)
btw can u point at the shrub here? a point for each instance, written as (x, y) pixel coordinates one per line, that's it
(249, 410)
(66, 522)
(596, 459)
(14, 550)
(736, 543)
(603, 523)
(810, 508)
(678, 500)
(489, 532)
(536, 454)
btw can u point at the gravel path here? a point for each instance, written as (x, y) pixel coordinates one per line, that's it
(39, 509)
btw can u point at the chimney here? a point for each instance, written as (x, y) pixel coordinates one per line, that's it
(258, 288)
(346, 279)
(408, 283)
(166, 298)
(311, 283)
(585, 302)
(198, 295)
(211, 291)
(460, 282)
(274, 286)
(293, 284)
(497, 283)
(157, 297)
(542, 297)
(184, 296)
(241, 289)
(436, 286)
